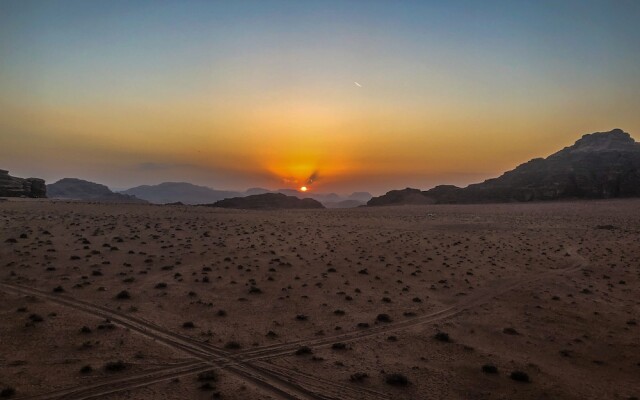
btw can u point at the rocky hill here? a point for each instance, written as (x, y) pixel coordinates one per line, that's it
(600, 165)
(78, 189)
(268, 201)
(19, 187)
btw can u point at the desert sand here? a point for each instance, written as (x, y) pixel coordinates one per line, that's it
(131, 301)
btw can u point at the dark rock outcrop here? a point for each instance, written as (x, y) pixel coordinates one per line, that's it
(19, 187)
(600, 165)
(268, 201)
(401, 197)
(78, 189)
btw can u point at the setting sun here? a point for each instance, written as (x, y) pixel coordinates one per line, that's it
(303, 189)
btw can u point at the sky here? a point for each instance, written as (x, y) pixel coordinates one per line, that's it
(360, 95)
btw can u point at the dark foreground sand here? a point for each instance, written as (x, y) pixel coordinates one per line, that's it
(320, 304)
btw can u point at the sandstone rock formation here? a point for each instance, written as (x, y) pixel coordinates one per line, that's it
(18, 187)
(600, 165)
(268, 201)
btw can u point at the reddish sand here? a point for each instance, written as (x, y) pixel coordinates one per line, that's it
(551, 290)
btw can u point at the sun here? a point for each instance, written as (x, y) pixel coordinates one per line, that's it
(303, 189)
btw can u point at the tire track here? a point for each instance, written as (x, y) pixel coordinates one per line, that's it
(210, 355)
(271, 382)
(238, 363)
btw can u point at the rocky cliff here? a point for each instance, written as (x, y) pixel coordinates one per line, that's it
(19, 187)
(600, 165)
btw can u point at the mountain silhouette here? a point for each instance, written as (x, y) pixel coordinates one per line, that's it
(600, 165)
(268, 201)
(78, 189)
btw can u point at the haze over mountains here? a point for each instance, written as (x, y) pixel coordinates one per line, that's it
(187, 193)
(598, 166)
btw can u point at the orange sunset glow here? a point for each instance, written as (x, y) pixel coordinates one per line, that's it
(266, 98)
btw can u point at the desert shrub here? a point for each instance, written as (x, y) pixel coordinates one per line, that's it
(188, 325)
(115, 366)
(396, 380)
(255, 290)
(520, 376)
(58, 289)
(339, 312)
(304, 350)
(7, 392)
(409, 314)
(36, 318)
(232, 345)
(123, 295)
(221, 313)
(85, 329)
(442, 337)
(358, 377)
(207, 376)
(383, 318)
(565, 353)
(87, 369)
(363, 325)
(489, 369)
(301, 317)
(339, 346)
(161, 285)
(106, 326)
(510, 331)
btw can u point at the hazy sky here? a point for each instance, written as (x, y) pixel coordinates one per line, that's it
(234, 94)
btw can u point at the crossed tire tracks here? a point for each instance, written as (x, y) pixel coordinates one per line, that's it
(251, 365)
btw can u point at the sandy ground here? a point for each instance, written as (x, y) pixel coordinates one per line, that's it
(320, 304)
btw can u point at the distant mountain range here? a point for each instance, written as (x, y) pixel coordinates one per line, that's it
(187, 193)
(600, 165)
(78, 189)
(172, 193)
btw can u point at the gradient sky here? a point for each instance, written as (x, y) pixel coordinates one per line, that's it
(235, 94)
